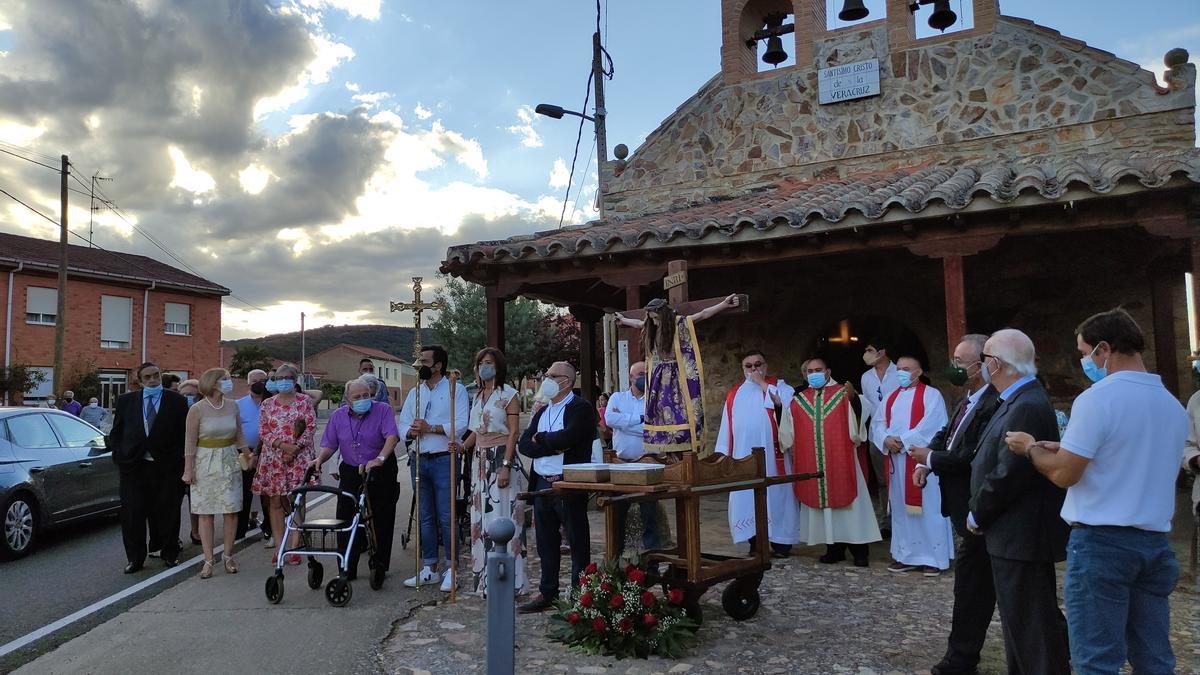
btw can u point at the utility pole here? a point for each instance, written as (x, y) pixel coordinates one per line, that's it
(601, 138)
(60, 323)
(303, 377)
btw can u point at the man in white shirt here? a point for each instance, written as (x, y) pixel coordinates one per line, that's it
(624, 415)
(1118, 460)
(430, 429)
(876, 385)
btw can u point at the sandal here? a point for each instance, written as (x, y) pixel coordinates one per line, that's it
(206, 569)
(231, 566)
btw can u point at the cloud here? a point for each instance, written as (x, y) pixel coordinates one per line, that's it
(327, 55)
(524, 128)
(372, 99)
(422, 112)
(365, 9)
(559, 175)
(186, 177)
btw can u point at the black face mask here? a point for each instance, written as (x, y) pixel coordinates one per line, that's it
(424, 373)
(259, 389)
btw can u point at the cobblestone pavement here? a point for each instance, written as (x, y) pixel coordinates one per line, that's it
(814, 619)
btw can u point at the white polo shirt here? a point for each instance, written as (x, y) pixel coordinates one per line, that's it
(1133, 430)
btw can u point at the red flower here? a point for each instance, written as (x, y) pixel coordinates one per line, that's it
(573, 618)
(625, 625)
(617, 602)
(598, 625)
(591, 568)
(649, 621)
(606, 587)
(675, 597)
(586, 599)
(629, 568)
(648, 599)
(637, 576)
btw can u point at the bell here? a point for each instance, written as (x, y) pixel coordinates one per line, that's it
(774, 54)
(853, 10)
(943, 17)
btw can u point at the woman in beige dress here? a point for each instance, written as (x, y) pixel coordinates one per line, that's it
(211, 445)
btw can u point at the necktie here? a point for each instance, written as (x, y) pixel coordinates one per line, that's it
(962, 412)
(151, 413)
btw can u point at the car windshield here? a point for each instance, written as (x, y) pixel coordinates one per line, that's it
(75, 434)
(31, 431)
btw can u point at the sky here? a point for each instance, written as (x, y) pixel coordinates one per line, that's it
(313, 155)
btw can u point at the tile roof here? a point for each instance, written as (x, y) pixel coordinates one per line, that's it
(954, 184)
(15, 249)
(368, 351)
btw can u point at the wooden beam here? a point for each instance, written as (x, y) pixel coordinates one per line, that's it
(1165, 357)
(1195, 250)
(495, 317)
(696, 305)
(956, 306)
(633, 301)
(587, 318)
(677, 282)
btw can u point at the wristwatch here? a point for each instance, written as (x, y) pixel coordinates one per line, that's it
(506, 463)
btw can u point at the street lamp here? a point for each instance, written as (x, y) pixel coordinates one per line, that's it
(557, 112)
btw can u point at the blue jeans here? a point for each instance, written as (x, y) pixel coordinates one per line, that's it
(1116, 589)
(434, 495)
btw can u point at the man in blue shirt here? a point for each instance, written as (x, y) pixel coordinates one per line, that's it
(248, 407)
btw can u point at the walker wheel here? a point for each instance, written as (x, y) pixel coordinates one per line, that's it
(316, 572)
(377, 574)
(274, 589)
(741, 599)
(338, 592)
(404, 539)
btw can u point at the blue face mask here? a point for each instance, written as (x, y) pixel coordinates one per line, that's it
(272, 387)
(284, 385)
(640, 383)
(816, 380)
(1092, 371)
(226, 386)
(153, 391)
(487, 372)
(904, 378)
(361, 406)
(1196, 365)
(190, 399)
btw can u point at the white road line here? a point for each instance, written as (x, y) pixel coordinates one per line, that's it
(121, 595)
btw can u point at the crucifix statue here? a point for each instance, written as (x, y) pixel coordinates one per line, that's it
(674, 408)
(416, 307)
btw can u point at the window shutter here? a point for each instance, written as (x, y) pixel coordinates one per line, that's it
(116, 315)
(40, 300)
(178, 313)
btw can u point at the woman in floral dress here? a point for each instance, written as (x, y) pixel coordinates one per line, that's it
(286, 424)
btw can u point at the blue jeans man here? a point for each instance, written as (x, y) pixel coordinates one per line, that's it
(434, 497)
(1116, 589)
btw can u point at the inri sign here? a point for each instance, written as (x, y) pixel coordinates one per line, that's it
(848, 82)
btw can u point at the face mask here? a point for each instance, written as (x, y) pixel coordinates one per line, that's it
(487, 372)
(1196, 365)
(424, 373)
(905, 378)
(816, 380)
(870, 358)
(190, 399)
(361, 406)
(93, 404)
(640, 382)
(69, 399)
(226, 386)
(272, 386)
(548, 390)
(153, 390)
(957, 375)
(50, 401)
(1091, 370)
(284, 385)
(259, 389)
(985, 374)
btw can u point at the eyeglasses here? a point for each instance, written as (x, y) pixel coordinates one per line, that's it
(756, 364)
(989, 356)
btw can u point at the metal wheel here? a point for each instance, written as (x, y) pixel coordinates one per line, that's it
(274, 589)
(316, 573)
(20, 527)
(741, 599)
(338, 592)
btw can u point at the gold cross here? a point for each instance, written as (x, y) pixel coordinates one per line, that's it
(416, 307)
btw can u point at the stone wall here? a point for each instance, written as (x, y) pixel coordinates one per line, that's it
(1018, 90)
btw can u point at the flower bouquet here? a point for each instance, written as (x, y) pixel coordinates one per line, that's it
(616, 613)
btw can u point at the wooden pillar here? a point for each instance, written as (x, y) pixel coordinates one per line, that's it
(1165, 357)
(956, 303)
(633, 300)
(495, 317)
(588, 318)
(1195, 269)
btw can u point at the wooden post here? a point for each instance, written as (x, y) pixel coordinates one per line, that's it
(587, 358)
(495, 317)
(956, 308)
(677, 293)
(60, 321)
(633, 300)
(1195, 287)
(1165, 357)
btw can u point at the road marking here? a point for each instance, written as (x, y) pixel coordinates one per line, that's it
(42, 632)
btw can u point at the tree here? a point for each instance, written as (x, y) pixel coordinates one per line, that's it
(558, 339)
(84, 381)
(17, 379)
(248, 358)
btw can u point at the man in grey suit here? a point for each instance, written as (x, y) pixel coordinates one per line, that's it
(949, 456)
(1016, 509)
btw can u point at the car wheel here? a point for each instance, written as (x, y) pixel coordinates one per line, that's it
(19, 514)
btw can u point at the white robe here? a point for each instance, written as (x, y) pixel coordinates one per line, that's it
(753, 430)
(853, 524)
(924, 539)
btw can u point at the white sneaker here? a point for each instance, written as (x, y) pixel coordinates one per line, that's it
(268, 542)
(447, 582)
(428, 577)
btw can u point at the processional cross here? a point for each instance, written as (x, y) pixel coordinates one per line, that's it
(416, 307)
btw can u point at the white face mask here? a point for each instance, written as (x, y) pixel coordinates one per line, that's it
(93, 404)
(548, 390)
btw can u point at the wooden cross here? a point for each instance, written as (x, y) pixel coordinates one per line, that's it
(416, 307)
(676, 286)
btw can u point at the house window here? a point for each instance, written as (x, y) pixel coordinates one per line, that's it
(41, 305)
(116, 322)
(178, 319)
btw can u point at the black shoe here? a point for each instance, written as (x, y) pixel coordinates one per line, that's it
(170, 562)
(539, 603)
(885, 532)
(831, 558)
(133, 567)
(780, 554)
(944, 668)
(860, 562)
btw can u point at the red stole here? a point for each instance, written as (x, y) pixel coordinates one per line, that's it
(912, 493)
(780, 468)
(821, 421)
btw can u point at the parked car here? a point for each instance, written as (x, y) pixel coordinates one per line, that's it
(54, 469)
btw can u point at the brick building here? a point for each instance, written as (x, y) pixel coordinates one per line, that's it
(340, 364)
(122, 310)
(998, 175)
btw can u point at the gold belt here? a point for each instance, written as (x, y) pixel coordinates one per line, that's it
(215, 442)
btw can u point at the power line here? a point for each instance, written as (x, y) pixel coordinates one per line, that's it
(571, 177)
(55, 169)
(14, 198)
(29, 151)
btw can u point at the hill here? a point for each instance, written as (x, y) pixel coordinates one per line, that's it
(395, 340)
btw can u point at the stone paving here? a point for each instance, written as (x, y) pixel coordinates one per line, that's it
(814, 619)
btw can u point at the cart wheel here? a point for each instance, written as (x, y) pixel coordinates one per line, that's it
(404, 539)
(274, 589)
(338, 592)
(376, 578)
(316, 572)
(741, 599)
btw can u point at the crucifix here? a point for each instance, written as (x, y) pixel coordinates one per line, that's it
(416, 307)
(676, 286)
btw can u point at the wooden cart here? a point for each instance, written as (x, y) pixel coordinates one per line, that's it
(688, 568)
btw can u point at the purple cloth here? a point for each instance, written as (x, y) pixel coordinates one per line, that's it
(675, 397)
(360, 439)
(74, 407)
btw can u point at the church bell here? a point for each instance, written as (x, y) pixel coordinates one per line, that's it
(774, 54)
(943, 17)
(853, 10)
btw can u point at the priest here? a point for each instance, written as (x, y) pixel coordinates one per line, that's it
(749, 420)
(910, 417)
(820, 427)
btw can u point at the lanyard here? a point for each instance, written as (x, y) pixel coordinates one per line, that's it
(355, 432)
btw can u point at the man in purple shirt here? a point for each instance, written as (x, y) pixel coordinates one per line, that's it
(70, 404)
(365, 434)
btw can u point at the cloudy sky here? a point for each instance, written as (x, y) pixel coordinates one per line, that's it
(312, 155)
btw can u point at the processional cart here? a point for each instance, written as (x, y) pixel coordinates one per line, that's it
(686, 481)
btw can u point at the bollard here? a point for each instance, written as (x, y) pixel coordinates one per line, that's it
(501, 600)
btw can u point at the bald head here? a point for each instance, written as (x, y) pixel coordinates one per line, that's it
(635, 371)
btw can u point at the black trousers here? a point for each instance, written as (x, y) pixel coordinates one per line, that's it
(781, 549)
(151, 496)
(382, 491)
(550, 513)
(974, 603)
(1035, 630)
(243, 524)
(857, 551)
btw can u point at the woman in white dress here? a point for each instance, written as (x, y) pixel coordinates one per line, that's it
(211, 445)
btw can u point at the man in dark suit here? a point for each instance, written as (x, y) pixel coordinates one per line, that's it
(1016, 509)
(949, 456)
(561, 432)
(147, 446)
